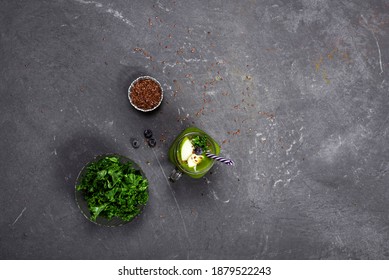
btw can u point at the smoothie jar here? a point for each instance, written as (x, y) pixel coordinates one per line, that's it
(187, 153)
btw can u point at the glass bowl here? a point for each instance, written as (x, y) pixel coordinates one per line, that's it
(82, 203)
(130, 89)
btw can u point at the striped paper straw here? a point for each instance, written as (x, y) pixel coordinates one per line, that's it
(221, 159)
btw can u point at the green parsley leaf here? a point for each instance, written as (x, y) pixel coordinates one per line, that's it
(200, 141)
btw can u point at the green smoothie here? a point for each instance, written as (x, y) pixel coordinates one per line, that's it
(187, 152)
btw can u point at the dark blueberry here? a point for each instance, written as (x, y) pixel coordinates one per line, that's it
(152, 142)
(148, 133)
(135, 143)
(198, 151)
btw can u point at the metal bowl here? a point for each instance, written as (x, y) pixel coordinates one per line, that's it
(82, 203)
(140, 79)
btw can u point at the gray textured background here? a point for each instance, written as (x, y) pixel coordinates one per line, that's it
(296, 92)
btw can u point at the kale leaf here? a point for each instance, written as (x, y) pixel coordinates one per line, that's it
(113, 189)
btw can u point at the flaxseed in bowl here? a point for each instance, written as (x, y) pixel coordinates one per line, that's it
(145, 94)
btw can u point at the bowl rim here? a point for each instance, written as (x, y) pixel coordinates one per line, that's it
(132, 85)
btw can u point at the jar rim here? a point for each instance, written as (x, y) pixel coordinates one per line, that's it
(212, 150)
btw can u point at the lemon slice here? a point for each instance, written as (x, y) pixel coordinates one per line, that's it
(186, 149)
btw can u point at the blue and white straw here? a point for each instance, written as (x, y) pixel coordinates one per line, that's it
(221, 159)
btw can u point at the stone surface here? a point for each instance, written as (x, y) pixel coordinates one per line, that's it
(296, 92)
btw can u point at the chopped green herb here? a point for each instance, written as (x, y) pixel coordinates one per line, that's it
(200, 141)
(113, 189)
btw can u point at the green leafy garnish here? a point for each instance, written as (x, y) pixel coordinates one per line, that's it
(200, 141)
(113, 189)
